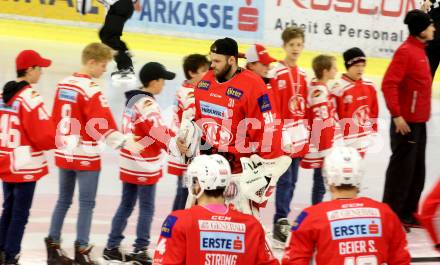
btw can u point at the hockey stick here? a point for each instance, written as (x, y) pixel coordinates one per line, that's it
(425, 259)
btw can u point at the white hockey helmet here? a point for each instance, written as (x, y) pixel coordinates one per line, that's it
(342, 166)
(210, 172)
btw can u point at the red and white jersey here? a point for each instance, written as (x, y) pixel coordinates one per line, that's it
(81, 109)
(24, 121)
(237, 117)
(143, 119)
(322, 121)
(347, 231)
(429, 216)
(290, 88)
(185, 109)
(185, 101)
(357, 109)
(201, 236)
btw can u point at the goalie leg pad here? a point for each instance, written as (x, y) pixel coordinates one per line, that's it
(260, 176)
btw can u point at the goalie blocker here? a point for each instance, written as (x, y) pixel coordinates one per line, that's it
(250, 189)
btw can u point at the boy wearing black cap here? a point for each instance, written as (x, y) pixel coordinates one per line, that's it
(140, 172)
(21, 111)
(236, 114)
(356, 102)
(407, 88)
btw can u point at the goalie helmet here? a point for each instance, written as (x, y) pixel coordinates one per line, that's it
(211, 172)
(343, 167)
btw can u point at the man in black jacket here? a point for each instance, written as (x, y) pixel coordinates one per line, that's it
(119, 11)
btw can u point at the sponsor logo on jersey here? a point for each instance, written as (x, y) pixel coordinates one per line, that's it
(264, 103)
(167, 226)
(352, 213)
(28, 177)
(14, 107)
(316, 93)
(213, 110)
(67, 95)
(142, 179)
(204, 85)
(34, 94)
(207, 225)
(85, 163)
(281, 84)
(299, 220)
(217, 134)
(215, 95)
(348, 99)
(221, 241)
(148, 103)
(129, 112)
(234, 93)
(356, 228)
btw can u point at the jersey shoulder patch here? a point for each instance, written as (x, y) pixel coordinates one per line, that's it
(264, 103)
(167, 226)
(318, 93)
(204, 84)
(31, 98)
(337, 88)
(185, 95)
(298, 221)
(147, 105)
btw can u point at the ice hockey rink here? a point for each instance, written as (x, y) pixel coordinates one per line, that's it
(66, 59)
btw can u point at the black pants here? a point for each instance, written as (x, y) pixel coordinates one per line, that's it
(405, 176)
(111, 32)
(433, 52)
(16, 206)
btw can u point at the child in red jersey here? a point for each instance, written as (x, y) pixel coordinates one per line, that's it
(322, 121)
(24, 122)
(289, 86)
(195, 67)
(356, 102)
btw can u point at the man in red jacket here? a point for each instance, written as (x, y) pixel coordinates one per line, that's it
(407, 91)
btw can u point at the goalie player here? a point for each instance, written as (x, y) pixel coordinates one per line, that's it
(210, 232)
(236, 115)
(347, 229)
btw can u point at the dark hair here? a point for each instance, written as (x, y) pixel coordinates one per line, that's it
(322, 62)
(193, 62)
(22, 72)
(292, 33)
(215, 193)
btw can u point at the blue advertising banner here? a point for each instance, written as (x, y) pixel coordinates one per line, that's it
(242, 19)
